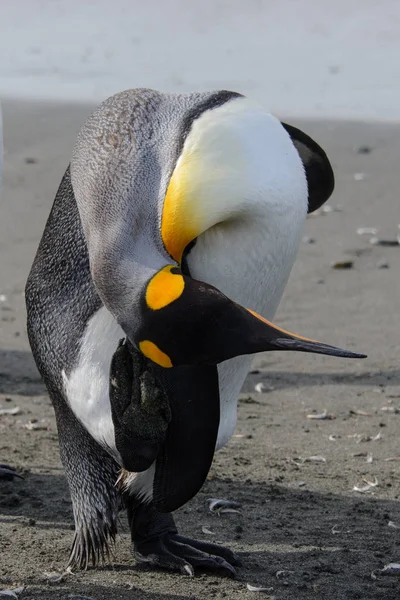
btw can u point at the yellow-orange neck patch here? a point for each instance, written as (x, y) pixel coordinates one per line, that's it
(164, 288)
(178, 223)
(153, 352)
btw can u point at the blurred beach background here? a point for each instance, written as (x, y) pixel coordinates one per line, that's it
(304, 58)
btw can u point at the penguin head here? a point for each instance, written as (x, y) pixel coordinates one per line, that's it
(188, 322)
(151, 173)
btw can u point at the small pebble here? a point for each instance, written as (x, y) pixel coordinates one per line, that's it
(308, 240)
(367, 230)
(375, 241)
(364, 150)
(30, 160)
(383, 264)
(359, 176)
(343, 265)
(260, 387)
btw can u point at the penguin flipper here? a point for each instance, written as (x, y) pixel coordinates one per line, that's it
(187, 453)
(139, 408)
(319, 173)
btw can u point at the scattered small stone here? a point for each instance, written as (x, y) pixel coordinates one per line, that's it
(254, 588)
(336, 531)
(390, 409)
(375, 241)
(207, 531)
(283, 573)
(301, 484)
(308, 240)
(3, 297)
(359, 176)
(393, 525)
(220, 506)
(364, 150)
(248, 400)
(367, 230)
(260, 387)
(361, 413)
(321, 416)
(30, 160)
(383, 264)
(343, 264)
(34, 425)
(366, 488)
(254, 371)
(316, 459)
(10, 411)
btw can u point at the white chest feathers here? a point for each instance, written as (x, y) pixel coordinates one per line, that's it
(87, 387)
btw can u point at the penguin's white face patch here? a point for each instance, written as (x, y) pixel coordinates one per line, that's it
(235, 157)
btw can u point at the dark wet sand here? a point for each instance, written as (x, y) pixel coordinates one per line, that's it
(301, 517)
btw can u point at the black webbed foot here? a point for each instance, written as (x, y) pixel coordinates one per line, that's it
(156, 542)
(8, 473)
(139, 408)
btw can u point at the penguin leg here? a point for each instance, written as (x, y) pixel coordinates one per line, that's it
(91, 473)
(8, 473)
(156, 541)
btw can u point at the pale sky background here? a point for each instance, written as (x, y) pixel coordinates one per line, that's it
(305, 58)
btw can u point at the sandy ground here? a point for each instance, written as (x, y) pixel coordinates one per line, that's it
(303, 531)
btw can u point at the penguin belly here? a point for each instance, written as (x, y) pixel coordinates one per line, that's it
(250, 262)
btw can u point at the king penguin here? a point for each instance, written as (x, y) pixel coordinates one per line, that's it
(164, 258)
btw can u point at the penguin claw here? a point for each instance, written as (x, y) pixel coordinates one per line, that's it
(178, 553)
(156, 541)
(8, 473)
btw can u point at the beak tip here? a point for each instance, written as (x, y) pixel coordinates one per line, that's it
(315, 348)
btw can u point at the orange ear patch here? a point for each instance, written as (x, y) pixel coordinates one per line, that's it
(164, 288)
(153, 352)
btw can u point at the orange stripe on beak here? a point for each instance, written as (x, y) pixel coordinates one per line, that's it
(289, 333)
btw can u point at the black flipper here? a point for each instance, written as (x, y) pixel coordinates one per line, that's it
(139, 408)
(188, 451)
(320, 177)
